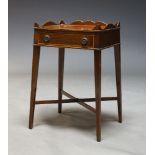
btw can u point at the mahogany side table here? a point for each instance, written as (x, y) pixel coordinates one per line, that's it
(88, 35)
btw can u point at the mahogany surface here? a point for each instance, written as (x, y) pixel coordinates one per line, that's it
(88, 35)
(99, 35)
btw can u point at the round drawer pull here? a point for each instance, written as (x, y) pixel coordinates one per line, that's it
(84, 41)
(46, 38)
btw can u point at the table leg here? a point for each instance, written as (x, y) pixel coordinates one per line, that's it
(97, 72)
(35, 67)
(60, 77)
(117, 54)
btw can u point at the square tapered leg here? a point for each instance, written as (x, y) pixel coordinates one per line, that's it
(97, 72)
(35, 67)
(117, 54)
(60, 76)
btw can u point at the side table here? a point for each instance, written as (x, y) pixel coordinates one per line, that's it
(88, 35)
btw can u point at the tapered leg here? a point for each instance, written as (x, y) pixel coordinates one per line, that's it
(117, 53)
(97, 71)
(35, 67)
(60, 77)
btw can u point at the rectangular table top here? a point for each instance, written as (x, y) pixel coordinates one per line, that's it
(78, 34)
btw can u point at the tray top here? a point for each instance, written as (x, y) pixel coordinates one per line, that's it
(78, 25)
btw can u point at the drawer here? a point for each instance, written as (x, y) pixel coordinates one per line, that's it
(66, 40)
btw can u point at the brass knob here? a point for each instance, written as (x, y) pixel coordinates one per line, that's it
(46, 38)
(84, 41)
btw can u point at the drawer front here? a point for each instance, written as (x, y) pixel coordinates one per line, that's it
(66, 40)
